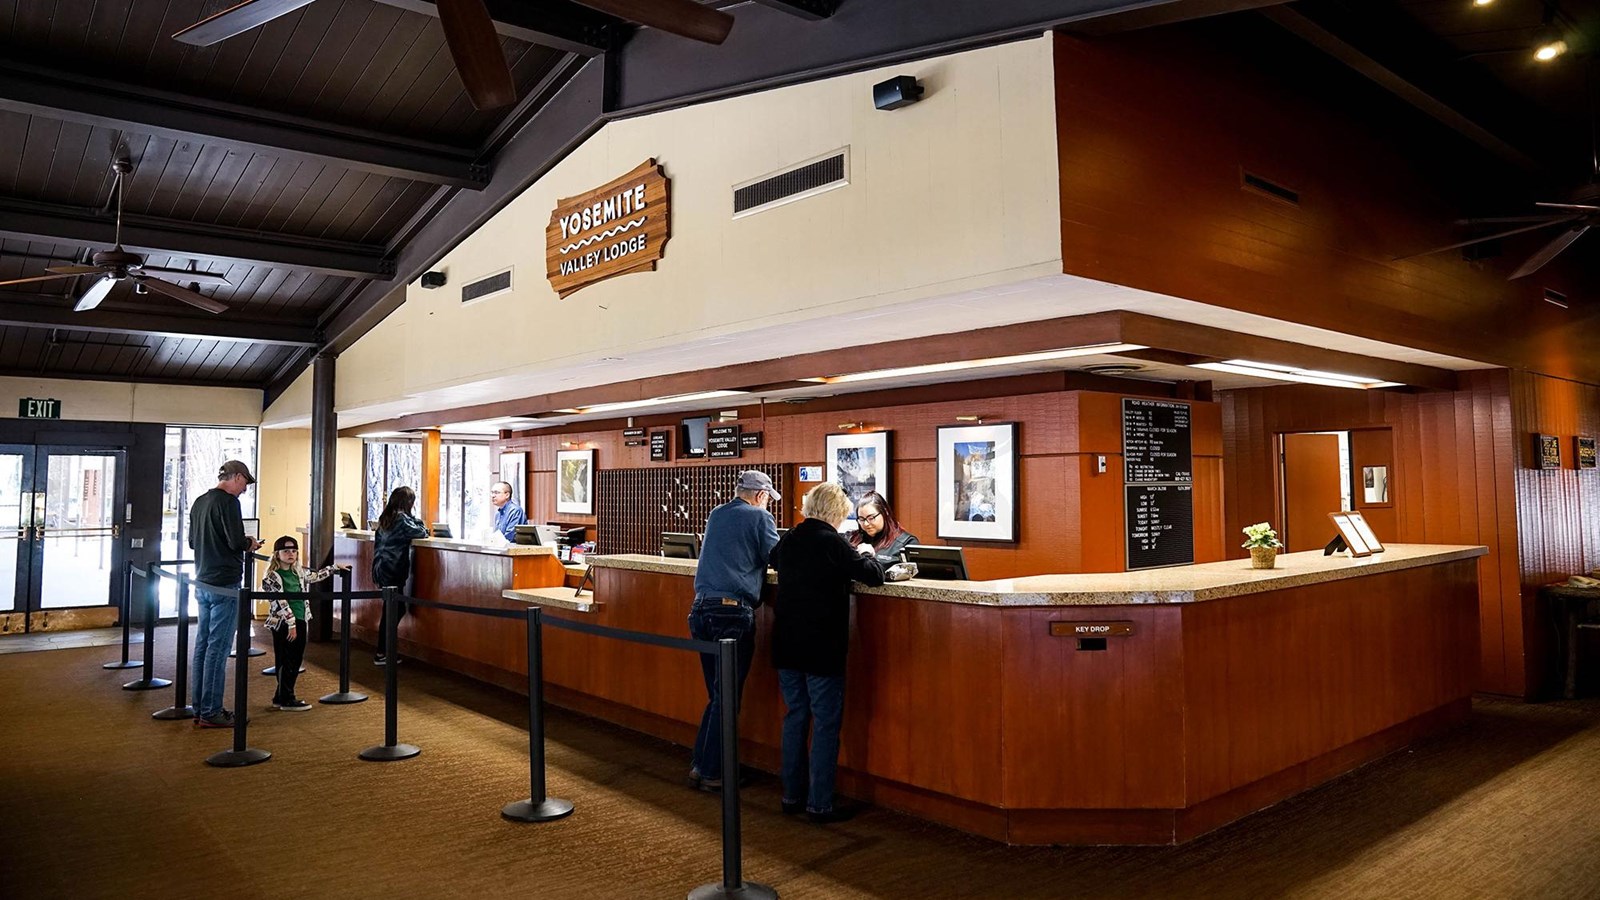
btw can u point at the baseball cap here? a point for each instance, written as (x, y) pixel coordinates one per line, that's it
(286, 542)
(753, 480)
(234, 467)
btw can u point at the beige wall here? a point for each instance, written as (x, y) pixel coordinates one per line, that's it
(117, 401)
(956, 192)
(284, 486)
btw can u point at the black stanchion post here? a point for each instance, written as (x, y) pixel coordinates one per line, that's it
(249, 579)
(345, 695)
(125, 614)
(538, 807)
(180, 708)
(151, 610)
(391, 749)
(733, 883)
(241, 755)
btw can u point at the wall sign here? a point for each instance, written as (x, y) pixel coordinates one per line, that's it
(1091, 629)
(1546, 451)
(750, 440)
(723, 442)
(658, 445)
(618, 228)
(1158, 479)
(1585, 455)
(34, 408)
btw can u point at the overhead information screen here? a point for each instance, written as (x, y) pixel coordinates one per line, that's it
(1158, 503)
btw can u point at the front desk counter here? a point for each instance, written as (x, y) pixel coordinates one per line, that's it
(1134, 708)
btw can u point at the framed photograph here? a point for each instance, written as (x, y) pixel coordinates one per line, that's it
(859, 463)
(575, 482)
(977, 475)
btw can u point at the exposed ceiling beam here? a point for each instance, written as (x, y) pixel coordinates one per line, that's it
(1164, 14)
(1382, 44)
(285, 375)
(29, 221)
(70, 97)
(658, 71)
(805, 9)
(26, 310)
(550, 23)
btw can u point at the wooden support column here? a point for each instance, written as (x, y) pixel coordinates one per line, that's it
(428, 491)
(324, 444)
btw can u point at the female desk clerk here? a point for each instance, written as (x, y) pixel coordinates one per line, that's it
(877, 527)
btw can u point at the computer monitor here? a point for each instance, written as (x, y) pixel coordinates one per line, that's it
(782, 532)
(680, 544)
(937, 562)
(442, 530)
(694, 435)
(572, 537)
(346, 522)
(527, 534)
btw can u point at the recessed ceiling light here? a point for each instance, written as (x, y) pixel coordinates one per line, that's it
(934, 368)
(1550, 49)
(1277, 372)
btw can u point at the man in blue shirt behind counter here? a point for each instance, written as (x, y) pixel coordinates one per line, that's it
(507, 514)
(740, 535)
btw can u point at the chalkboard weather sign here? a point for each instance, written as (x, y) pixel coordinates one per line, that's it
(618, 228)
(1158, 479)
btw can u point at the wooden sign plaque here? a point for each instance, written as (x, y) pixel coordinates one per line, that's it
(616, 229)
(1091, 629)
(1585, 457)
(1546, 451)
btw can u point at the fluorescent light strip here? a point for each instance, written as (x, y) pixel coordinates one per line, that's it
(1020, 359)
(656, 401)
(1303, 376)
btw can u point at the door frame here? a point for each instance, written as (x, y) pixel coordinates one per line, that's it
(30, 567)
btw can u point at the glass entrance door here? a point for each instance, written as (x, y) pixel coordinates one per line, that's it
(66, 530)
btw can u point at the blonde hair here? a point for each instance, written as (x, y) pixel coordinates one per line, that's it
(826, 501)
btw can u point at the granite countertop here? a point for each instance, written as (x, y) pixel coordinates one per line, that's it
(558, 597)
(1178, 584)
(461, 546)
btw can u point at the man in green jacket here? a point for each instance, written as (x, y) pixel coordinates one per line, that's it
(216, 534)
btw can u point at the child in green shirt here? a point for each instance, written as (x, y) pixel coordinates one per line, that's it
(287, 617)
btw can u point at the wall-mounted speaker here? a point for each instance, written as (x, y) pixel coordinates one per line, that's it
(901, 90)
(433, 279)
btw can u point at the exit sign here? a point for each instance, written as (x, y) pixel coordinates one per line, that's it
(34, 408)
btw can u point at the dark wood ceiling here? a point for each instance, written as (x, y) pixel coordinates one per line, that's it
(324, 159)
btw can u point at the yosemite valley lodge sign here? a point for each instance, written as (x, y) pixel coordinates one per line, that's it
(615, 229)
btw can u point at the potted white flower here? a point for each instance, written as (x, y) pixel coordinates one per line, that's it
(1263, 544)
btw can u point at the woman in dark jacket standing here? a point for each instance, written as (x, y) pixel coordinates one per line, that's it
(876, 526)
(391, 555)
(810, 638)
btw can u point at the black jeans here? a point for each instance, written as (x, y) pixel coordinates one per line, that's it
(710, 620)
(288, 655)
(383, 625)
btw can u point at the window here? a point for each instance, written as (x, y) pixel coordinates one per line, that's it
(389, 465)
(464, 480)
(193, 456)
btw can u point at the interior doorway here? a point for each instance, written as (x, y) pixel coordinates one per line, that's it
(1327, 471)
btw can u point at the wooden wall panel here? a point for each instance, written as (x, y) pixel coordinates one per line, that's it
(1071, 517)
(1450, 484)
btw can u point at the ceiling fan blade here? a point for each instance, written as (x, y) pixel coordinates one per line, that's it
(73, 270)
(41, 278)
(475, 46)
(1550, 251)
(96, 292)
(1490, 237)
(1508, 220)
(181, 275)
(236, 20)
(684, 18)
(184, 294)
(1586, 207)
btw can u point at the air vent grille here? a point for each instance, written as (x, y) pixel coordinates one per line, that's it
(806, 179)
(483, 287)
(1270, 188)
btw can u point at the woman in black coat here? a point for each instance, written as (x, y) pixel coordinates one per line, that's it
(877, 526)
(810, 638)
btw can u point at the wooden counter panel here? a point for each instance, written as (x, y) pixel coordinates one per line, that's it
(1092, 728)
(1275, 679)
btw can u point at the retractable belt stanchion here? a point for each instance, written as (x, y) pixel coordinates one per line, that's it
(345, 695)
(125, 614)
(391, 749)
(180, 708)
(538, 807)
(240, 754)
(249, 579)
(733, 883)
(149, 682)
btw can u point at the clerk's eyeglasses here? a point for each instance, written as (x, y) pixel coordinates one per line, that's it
(869, 517)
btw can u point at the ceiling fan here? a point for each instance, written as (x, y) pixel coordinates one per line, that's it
(117, 264)
(470, 33)
(1578, 214)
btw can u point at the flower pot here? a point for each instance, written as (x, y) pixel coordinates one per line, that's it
(1263, 557)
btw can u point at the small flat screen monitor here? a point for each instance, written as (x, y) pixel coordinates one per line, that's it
(680, 544)
(694, 435)
(575, 536)
(441, 530)
(346, 522)
(782, 532)
(937, 562)
(527, 534)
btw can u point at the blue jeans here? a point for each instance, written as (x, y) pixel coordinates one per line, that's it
(710, 620)
(817, 700)
(219, 618)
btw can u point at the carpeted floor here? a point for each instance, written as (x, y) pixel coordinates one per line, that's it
(99, 800)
